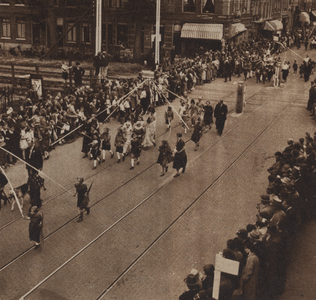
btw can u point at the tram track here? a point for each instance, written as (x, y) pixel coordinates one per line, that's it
(13, 260)
(156, 191)
(97, 173)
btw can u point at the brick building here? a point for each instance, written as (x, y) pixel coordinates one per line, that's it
(187, 24)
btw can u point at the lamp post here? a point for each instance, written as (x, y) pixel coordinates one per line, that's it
(98, 27)
(157, 39)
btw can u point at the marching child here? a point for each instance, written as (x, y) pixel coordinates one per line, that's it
(95, 151)
(105, 138)
(169, 116)
(136, 145)
(119, 143)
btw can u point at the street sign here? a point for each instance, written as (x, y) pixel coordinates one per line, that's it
(223, 265)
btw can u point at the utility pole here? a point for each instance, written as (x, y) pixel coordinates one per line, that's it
(157, 39)
(98, 26)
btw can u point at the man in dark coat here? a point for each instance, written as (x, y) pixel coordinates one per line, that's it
(82, 202)
(33, 156)
(220, 114)
(97, 63)
(312, 98)
(78, 73)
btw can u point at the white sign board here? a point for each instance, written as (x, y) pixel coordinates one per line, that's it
(223, 265)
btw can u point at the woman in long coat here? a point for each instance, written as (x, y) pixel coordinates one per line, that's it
(35, 225)
(165, 156)
(180, 157)
(196, 135)
(208, 115)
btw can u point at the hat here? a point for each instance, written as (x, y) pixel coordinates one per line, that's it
(242, 233)
(208, 269)
(9, 111)
(179, 134)
(265, 199)
(192, 280)
(290, 141)
(287, 181)
(276, 201)
(254, 235)
(77, 63)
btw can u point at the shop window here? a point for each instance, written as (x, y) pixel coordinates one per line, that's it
(71, 36)
(189, 5)
(110, 34)
(208, 6)
(5, 28)
(5, 2)
(86, 33)
(20, 25)
(122, 34)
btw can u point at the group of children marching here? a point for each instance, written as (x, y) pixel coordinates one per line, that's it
(130, 138)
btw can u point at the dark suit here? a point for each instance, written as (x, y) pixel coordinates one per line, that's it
(78, 73)
(34, 158)
(220, 115)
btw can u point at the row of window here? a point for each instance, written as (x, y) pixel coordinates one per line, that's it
(72, 3)
(20, 28)
(121, 33)
(85, 31)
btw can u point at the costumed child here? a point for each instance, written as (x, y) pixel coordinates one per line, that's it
(95, 150)
(105, 138)
(136, 148)
(169, 117)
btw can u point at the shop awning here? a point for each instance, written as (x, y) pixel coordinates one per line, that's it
(236, 28)
(202, 31)
(304, 17)
(274, 25)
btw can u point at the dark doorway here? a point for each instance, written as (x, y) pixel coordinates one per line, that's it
(36, 28)
(60, 33)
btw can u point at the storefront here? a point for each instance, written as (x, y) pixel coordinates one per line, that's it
(237, 33)
(197, 37)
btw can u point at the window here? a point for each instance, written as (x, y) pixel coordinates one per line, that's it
(122, 34)
(110, 34)
(208, 6)
(20, 25)
(71, 3)
(86, 33)
(5, 28)
(5, 2)
(71, 36)
(189, 5)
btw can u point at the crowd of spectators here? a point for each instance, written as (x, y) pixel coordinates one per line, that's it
(262, 247)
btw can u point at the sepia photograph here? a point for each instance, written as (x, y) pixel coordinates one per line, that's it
(157, 149)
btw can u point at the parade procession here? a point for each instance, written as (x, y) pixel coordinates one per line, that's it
(170, 161)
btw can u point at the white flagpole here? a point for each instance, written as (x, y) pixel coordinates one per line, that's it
(157, 40)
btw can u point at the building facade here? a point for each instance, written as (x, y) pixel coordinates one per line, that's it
(185, 24)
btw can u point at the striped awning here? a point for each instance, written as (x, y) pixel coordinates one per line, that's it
(202, 31)
(273, 25)
(236, 28)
